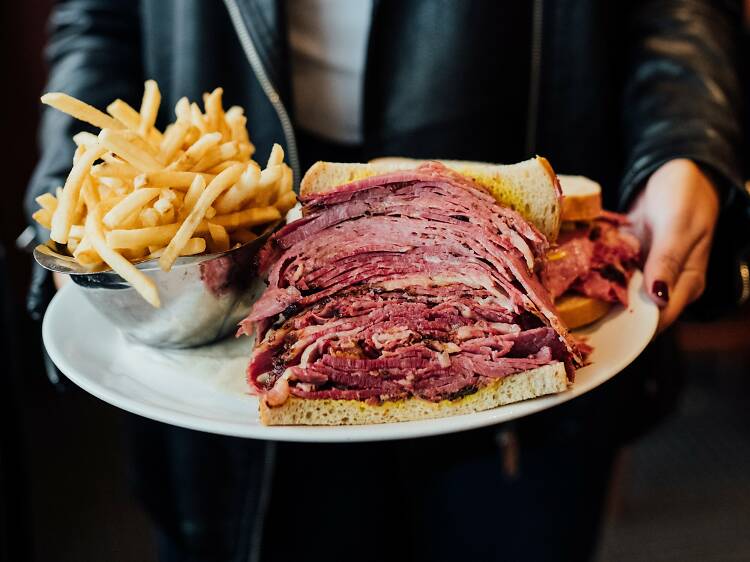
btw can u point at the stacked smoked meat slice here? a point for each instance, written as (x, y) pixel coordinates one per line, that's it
(405, 295)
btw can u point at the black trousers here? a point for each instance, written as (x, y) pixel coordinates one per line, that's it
(488, 495)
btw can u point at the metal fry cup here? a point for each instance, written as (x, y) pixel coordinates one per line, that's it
(202, 297)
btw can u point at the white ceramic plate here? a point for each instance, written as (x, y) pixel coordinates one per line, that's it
(205, 388)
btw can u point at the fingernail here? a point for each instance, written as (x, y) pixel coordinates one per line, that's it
(660, 290)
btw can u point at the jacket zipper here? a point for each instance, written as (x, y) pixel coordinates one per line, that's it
(265, 83)
(537, 21)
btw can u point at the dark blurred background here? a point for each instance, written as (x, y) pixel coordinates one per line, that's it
(681, 493)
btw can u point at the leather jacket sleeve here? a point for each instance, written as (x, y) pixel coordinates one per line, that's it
(682, 99)
(93, 54)
(682, 93)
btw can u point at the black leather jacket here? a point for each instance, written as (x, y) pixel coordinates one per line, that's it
(613, 92)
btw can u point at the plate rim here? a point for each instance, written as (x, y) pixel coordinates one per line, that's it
(326, 434)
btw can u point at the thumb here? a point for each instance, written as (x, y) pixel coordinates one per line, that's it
(664, 264)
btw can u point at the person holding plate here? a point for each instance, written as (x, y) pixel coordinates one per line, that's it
(642, 97)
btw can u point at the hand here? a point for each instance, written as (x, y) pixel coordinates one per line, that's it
(59, 279)
(674, 218)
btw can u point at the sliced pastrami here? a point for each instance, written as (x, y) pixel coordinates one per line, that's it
(596, 260)
(415, 283)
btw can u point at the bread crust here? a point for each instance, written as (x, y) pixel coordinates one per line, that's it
(578, 310)
(582, 199)
(550, 172)
(529, 187)
(581, 209)
(548, 379)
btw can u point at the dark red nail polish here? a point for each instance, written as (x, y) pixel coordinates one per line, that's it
(660, 290)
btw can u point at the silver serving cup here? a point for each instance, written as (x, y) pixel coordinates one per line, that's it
(202, 297)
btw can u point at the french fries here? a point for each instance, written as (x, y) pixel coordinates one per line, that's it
(247, 218)
(43, 217)
(132, 203)
(198, 212)
(62, 219)
(47, 201)
(219, 238)
(128, 150)
(149, 107)
(142, 283)
(120, 170)
(173, 140)
(196, 151)
(193, 247)
(135, 192)
(242, 236)
(160, 235)
(242, 191)
(80, 110)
